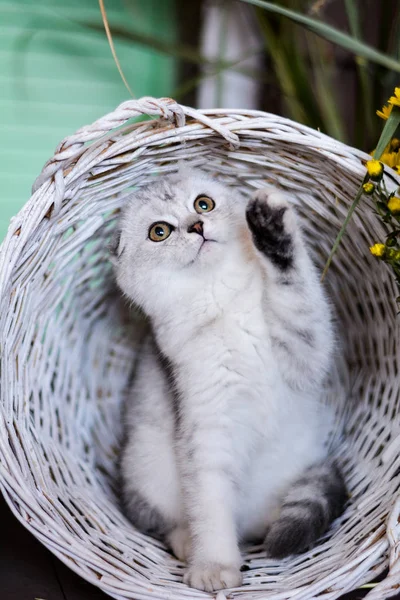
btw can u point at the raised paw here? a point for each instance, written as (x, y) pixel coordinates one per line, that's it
(272, 223)
(212, 577)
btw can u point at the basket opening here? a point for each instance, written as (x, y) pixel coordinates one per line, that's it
(77, 341)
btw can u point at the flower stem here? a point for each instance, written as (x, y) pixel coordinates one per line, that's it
(385, 137)
(344, 226)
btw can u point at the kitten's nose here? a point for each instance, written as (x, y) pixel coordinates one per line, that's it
(196, 227)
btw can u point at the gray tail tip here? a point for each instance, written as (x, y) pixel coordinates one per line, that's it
(287, 537)
(302, 522)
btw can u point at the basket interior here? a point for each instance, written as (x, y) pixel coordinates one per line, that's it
(70, 346)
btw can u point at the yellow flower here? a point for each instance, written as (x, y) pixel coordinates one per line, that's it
(374, 168)
(397, 169)
(392, 254)
(391, 159)
(395, 100)
(394, 205)
(385, 112)
(369, 188)
(377, 250)
(394, 145)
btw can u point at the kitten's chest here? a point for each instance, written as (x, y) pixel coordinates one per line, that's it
(246, 337)
(229, 376)
(241, 362)
(248, 388)
(229, 357)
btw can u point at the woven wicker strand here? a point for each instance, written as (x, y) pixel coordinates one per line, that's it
(68, 345)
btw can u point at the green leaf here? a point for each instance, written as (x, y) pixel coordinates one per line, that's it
(365, 92)
(352, 15)
(331, 34)
(323, 70)
(388, 132)
(291, 73)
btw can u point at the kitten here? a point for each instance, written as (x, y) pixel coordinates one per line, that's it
(226, 429)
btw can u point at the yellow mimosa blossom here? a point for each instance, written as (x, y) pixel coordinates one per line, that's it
(377, 250)
(395, 100)
(394, 205)
(391, 159)
(385, 112)
(394, 145)
(368, 188)
(374, 168)
(392, 254)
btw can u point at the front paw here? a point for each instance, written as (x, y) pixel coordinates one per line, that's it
(272, 223)
(211, 577)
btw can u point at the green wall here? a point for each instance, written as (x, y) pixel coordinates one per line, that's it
(57, 75)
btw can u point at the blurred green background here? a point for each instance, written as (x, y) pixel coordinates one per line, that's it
(57, 75)
(57, 72)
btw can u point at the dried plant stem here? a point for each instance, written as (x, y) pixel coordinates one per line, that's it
(112, 47)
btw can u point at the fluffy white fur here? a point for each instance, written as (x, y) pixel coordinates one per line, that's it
(248, 347)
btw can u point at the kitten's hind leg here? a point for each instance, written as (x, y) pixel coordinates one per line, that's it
(295, 305)
(148, 470)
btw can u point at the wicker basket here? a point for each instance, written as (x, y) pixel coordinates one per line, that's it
(68, 348)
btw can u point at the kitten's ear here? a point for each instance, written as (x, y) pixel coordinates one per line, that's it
(114, 247)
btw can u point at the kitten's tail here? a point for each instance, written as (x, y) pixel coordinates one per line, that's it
(308, 508)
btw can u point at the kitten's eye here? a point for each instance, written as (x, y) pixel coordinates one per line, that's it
(203, 204)
(159, 232)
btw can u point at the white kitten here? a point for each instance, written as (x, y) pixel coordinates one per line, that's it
(226, 431)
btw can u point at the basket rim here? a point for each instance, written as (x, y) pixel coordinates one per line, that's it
(183, 121)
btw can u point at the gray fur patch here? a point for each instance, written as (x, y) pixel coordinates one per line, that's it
(169, 372)
(321, 495)
(146, 517)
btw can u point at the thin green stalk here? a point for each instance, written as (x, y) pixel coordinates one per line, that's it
(343, 228)
(322, 68)
(190, 84)
(368, 586)
(388, 132)
(331, 34)
(182, 51)
(386, 135)
(291, 73)
(365, 97)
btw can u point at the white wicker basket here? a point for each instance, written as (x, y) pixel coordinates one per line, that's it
(67, 348)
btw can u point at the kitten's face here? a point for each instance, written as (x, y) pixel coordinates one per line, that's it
(175, 232)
